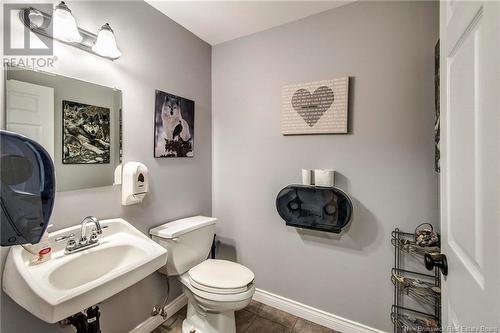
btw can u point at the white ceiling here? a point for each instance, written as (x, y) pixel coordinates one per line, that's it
(219, 21)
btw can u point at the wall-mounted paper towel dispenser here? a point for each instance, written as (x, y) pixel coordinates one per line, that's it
(315, 207)
(134, 183)
(28, 189)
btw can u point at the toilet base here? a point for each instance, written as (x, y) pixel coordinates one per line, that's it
(212, 314)
(200, 321)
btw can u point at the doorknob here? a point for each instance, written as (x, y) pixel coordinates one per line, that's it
(436, 260)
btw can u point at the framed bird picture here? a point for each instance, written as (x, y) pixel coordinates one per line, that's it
(174, 126)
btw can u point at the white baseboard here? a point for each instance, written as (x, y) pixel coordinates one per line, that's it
(153, 322)
(307, 312)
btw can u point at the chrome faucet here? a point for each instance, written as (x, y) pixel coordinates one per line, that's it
(85, 242)
(98, 230)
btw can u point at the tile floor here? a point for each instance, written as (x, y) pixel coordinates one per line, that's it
(255, 318)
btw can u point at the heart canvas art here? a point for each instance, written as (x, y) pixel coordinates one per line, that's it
(316, 107)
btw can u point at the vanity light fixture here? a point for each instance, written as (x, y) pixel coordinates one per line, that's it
(64, 24)
(65, 30)
(105, 45)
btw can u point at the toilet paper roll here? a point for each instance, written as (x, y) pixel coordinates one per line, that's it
(324, 177)
(306, 177)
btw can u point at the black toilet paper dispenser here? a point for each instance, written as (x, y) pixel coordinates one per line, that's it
(314, 207)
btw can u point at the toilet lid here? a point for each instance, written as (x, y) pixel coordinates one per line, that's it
(221, 276)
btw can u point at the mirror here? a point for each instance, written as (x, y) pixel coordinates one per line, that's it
(77, 122)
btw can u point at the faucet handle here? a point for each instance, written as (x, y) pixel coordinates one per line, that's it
(71, 242)
(93, 237)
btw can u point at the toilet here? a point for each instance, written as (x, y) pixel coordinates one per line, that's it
(215, 289)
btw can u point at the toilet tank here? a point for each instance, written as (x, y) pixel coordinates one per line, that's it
(188, 242)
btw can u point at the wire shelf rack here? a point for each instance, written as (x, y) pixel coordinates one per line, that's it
(423, 289)
(409, 320)
(405, 242)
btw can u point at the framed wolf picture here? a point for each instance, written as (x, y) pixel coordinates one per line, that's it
(86, 134)
(174, 126)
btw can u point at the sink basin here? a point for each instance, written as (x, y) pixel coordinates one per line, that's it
(101, 261)
(67, 284)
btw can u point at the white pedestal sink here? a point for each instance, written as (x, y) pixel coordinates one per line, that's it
(67, 284)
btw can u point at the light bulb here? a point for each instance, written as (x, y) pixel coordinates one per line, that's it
(105, 45)
(36, 18)
(64, 23)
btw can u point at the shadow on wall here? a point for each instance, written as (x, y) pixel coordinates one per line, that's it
(359, 234)
(226, 249)
(350, 106)
(24, 320)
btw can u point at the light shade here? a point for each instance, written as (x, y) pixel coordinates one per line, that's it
(35, 18)
(64, 24)
(105, 45)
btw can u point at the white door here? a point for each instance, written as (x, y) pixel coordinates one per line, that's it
(30, 112)
(470, 150)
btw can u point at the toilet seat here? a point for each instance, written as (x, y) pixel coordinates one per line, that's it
(220, 277)
(217, 291)
(216, 297)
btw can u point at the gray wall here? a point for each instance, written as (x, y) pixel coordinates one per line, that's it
(78, 176)
(157, 54)
(385, 163)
